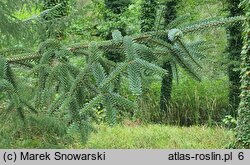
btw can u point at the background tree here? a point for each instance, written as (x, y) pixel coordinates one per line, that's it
(243, 127)
(116, 7)
(11, 28)
(234, 48)
(166, 88)
(54, 26)
(148, 15)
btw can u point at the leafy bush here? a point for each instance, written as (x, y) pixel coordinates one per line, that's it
(229, 122)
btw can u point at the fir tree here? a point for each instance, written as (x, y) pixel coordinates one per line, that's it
(60, 87)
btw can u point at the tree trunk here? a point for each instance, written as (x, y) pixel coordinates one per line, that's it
(235, 44)
(166, 87)
(167, 81)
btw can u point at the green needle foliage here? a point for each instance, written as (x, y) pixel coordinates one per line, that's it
(243, 127)
(11, 88)
(114, 9)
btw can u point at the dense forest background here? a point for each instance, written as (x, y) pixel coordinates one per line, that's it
(124, 74)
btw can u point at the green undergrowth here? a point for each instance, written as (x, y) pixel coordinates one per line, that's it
(49, 132)
(160, 137)
(192, 102)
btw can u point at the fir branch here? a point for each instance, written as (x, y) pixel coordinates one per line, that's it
(120, 101)
(134, 77)
(3, 67)
(116, 72)
(98, 72)
(95, 101)
(151, 67)
(186, 51)
(204, 25)
(24, 58)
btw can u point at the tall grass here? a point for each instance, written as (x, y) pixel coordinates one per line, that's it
(51, 134)
(159, 137)
(192, 103)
